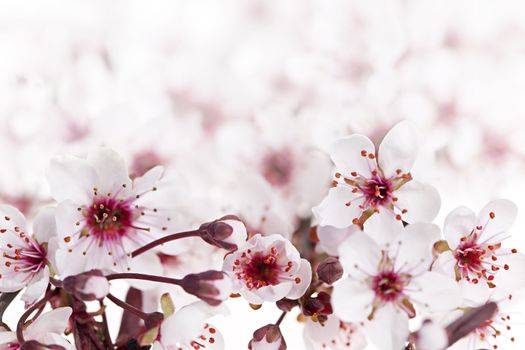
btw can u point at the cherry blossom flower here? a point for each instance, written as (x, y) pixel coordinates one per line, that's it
(187, 329)
(387, 282)
(268, 268)
(333, 334)
(48, 329)
(26, 258)
(369, 182)
(102, 215)
(477, 256)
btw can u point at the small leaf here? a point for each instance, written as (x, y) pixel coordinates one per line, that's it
(168, 308)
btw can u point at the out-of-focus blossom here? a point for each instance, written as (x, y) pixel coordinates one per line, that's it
(268, 337)
(102, 214)
(268, 268)
(333, 334)
(187, 328)
(390, 283)
(26, 258)
(48, 330)
(370, 182)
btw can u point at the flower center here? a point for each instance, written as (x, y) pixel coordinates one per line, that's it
(469, 257)
(259, 269)
(388, 286)
(108, 218)
(277, 167)
(27, 260)
(377, 191)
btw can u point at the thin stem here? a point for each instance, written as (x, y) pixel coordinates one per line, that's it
(281, 318)
(129, 307)
(169, 238)
(141, 276)
(25, 316)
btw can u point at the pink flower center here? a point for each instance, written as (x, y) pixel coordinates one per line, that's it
(277, 167)
(28, 259)
(388, 286)
(469, 256)
(377, 191)
(261, 269)
(109, 218)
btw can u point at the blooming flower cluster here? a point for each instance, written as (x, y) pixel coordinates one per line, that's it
(361, 271)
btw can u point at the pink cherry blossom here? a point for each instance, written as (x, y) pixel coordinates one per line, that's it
(268, 268)
(368, 182)
(333, 334)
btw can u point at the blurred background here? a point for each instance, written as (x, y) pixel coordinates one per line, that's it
(240, 100)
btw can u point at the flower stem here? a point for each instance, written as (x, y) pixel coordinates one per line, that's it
(25, 316)
(140, 276)
(281, 318)
(169, 238)
(129, 307)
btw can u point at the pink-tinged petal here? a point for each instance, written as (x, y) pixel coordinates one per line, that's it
(111, 169)
(497, 218)
(149, 180)
(389, 328)
(322, 332)
(7, 338)
(13, 216)
(352, 300)
(347, 154)
(334, 210)
(474, 294)
(36, 288)
(459, 223)
(412, 249)
(431, 336)
(359, 253)
(267, 293)
(71, 178)
(436, 291)
(330, 238)
(44, 227)
(511, 280)
(54, 321)
(383, 227)
(305, 277)
(445, 264)
(148, 263)
(421, 201)
(398, 149)
(57, 339)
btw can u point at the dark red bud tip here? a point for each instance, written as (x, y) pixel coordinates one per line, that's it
(286, 304)
(320, 305)
(219, 233)
(269, 334)
(34, 345)
(330, 270)
(470, 321)
(153, 320)
(212, 286)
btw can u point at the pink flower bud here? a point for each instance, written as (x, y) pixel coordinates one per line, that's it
(268, 337)
(89, 286)
(330, 270)
(227, 232)
(213, 287)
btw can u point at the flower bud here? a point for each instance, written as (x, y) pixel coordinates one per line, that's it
(286, 304)
(88, 286)
(268, 337)
(213, 287)
(330, 270)
(227, 232)
(320, 305)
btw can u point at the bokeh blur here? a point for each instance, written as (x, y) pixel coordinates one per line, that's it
(241, 99)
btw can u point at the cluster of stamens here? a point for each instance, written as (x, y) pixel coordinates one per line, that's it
(495, 328)
(375, 191)
(204, 339)
(22, 255)
(260, 269)
(478, 260)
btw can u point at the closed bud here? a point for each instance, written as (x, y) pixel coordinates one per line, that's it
(227, 232)
(213, 287)
(286, 304)
(330, 270)
(268, 337)
(319, 305)
(88, 286)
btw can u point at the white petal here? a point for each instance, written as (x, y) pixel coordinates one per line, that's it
(398, 149)
(359, 250)
(383, 227)
(8, 338)
(37, 287)
(239, 234)
(474, 294)
(459, 223)
(148, 180)
(333, 210)
(445, 264)
(346, 154)
(305, 274)
(111, 169)
(147, 263)
(267, 293)
(422, 201)
(505, 213)
(322, 333)
(330, 238)
(44, 227)
(389, 328)
(54, 321)
(437, 291)
(16, 218)
(352, 300)
(413, 247)
(71, 178)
